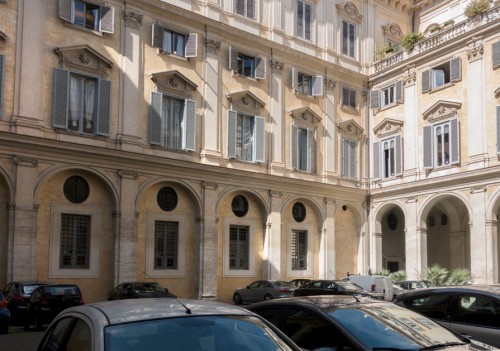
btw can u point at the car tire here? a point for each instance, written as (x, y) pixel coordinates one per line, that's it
(4, 329)
(237, 299)
(38, 322)
(268, 297)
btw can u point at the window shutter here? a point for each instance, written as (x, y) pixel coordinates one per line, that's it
(399, 91)
(157, 36)
(155, 118)
(295, 78)
(189, 128)
(239, 7)
(427, 145)
(107, 20)
(65, 7)
(398, 155)
(317, 86)
(455, 69)
(498, 129)
(2, 70)
(251, 9)
(192, 45)
(300, 18)
(294, 151)
(260, 139)
(233, 59)
(231, 133)
(60, 99)
(455, 142)
(353, 160)
(426, 81)
(376, 160)
(104, 107)
(308, 21)
(495, 49)
(260, 68)
(375, 99)
(345, 36)
(345, 158)
(311, 151)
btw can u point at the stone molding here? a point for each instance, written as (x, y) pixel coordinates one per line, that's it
(83, 58)
(305, 117)
(127, 174)
(351, 129)
(25, 161)
(277, 67)
(350, 11)
(173, 81)
(245, 100)
(475, 49)
(387, 127)
(132, 19)
(212, 45)
(441, 110)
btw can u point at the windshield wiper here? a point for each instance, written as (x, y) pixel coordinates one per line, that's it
(438, 346)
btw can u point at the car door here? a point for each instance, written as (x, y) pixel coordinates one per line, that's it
(251, 293)
(432, 305)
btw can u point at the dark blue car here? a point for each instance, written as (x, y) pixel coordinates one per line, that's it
(4, 315)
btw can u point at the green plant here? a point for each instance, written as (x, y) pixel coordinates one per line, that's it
(459, 276)
(383, 272)
(449, 23)
(410, 40)
(386, 49)
(435, 28)
(437, 275)
(398, 276)
(476, 7)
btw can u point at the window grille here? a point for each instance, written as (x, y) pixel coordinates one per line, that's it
(166, 244)
(238, 247)
(299, 249)
(75, 242)
(167, 199)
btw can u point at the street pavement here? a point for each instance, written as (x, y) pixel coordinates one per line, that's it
(20, 340)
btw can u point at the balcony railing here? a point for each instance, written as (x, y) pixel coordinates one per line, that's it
(439, 39)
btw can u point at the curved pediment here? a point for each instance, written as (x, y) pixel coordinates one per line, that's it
(173, 80)
(349, 9)
(83, 58)
(305, 116)
(246, 100)
(393, 31)
(350, 128)
(387, 127)
(441, 109)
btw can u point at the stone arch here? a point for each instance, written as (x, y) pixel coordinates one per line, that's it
(6, 198)
(493, 236)
(252, 193)
(312, 203)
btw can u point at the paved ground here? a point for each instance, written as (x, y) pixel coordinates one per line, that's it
(19, 340)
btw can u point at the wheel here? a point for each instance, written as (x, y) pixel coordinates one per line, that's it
(38, 322)
(268, 297)
(237, 299)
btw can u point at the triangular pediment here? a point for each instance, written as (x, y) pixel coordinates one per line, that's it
(173, 80)
(304, 116)
(441, 109)
(350, 128)
(245, 99)
(83, 58)
(388, 126)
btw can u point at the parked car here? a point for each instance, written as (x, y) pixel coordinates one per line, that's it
(351, 323)
(471, 310)
(299, 282)
(396, 290)
(18, 294)
(263, 290)
(4, 315)
(414, 284)
(47, 301)
(159, 324)
(374, 283)
(333, 287)
(134, 290)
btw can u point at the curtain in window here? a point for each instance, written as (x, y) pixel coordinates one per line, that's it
(167, 41)
(90, 87)
(74, 103)
(247, 139)
(172, 119)
(302, 135)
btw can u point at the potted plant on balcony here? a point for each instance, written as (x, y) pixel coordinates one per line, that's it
(383, 51)
(410, 40)
(476, 7)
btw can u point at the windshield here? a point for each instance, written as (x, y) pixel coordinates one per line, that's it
(348, 285)
(207, 333)
(147, 288)
(391, 327)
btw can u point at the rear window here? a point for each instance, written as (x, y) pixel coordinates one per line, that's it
(433, 306)
(63, 290)
(28, 289)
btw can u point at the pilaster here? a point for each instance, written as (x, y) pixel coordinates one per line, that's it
(278, 124)
(208, 243)
(273, 237)
(479, 249)
(327, 258)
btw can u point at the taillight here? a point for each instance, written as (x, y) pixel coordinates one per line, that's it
(284, 290)
(374, 287)
(18, 298)
(43, 301)
(3, 303)
(82, 302)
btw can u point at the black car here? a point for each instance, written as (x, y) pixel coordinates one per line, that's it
(47, 301)
(334, 287)
(354, 323)
(4, 315)
(469, 310)
(134, 290)
(414, 284)
(18, 294)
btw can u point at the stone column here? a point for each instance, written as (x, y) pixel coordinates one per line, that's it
(376, 261)
(421, 262)
(411, 123)
(479, 251)
(330, 150)
(208, 243)
(272, 246)
(277, 115)
(412, 249)
(327, 263)
(457, 250)
(492, 260)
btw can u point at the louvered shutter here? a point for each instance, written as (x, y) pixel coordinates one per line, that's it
(495, 50)
(300, 19)
(353, 159)
(426, 80)
(260, 68)
(428, 148)
(107, 20)
(155, 118)
(345, 158)
(231, 133)
(60, 99)
(375, 99)
(260, 139)
(345, 38)
(294, 144)
(233, 59)
(65, 7)
(157, 36)
(399, 92)
(251, 9)
(317, 86)
(2, 70)
(398, 155)
(498, 129)
(455, 142)
(295, 78)
(192, 45)
(455, 69)
(189, 126)
(104, 107)
(239, 7)
(376, 160)
(308, 21)
(311, 151)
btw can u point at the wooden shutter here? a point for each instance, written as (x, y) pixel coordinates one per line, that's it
(104, 107)
(2, 72)
(376, 160)
(294, 152)
(231, 133)
(426, 81)
(107, 20)
(353, 145)
(308, 21)
(192, 45)
(155, 118)
(428, 147)
(455, 69)
(65, 7)
(317, 86)
(260, 68)
(251, 9)
(239, 7)
(300, 19)
(398, 155)
(311, 151)
(233, 59)
(295, 78)
(495, 51)
(375, 99)
(157, 36)
(399, 91)
(189, 126)
(60, 99)
(455, 142)
(260, 139)
(498, 129)
(345, 38)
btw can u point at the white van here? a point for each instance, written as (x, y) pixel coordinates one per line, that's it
(373, 282)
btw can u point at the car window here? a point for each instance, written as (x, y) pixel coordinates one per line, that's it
(254, 285)
(478, 310)
(433, 306)
(80, 338)
(270, 313)
(316, 285)
(54, 338)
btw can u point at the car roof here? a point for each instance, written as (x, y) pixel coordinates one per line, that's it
(321, 301)
(493, 290)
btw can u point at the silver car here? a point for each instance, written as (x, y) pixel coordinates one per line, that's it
(263, 290)
(165, 324)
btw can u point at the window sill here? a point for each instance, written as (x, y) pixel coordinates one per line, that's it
(83, 135)
(350, 110)
(175, 56)
(83, 29)
(297, 170)
(166, 148)
(241, 76)
(303, 95)
(444, 86)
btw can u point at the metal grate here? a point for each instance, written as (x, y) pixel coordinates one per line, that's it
(167, 199)
(166, 244)
(239, 206)
(299, 249)
(238, 247)
(75, 242)
(76, 189)
(299, 212)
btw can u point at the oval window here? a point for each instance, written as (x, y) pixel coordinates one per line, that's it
(299, 212)
(239, 206)
(76, 189)
(167, 199)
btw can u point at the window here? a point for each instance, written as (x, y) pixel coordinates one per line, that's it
(441, 75)
(175, 43)
(394, 44)
(498, 128)
(349, 98)
(172, 122)
(387, 160)
(349, 39)
(303, 149)
(2, 72)
(387, 96)
(441, 144)
(299, 249)
(307, 84)
(349, 158)
(81, 103)
(245, 137)
(75, 241)
(88, 15)
(478, 310)
(166, 245)
(495, 52)
(238, 247)
(245, 8)
(304, 20)
(247, 66)
(433, 306)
